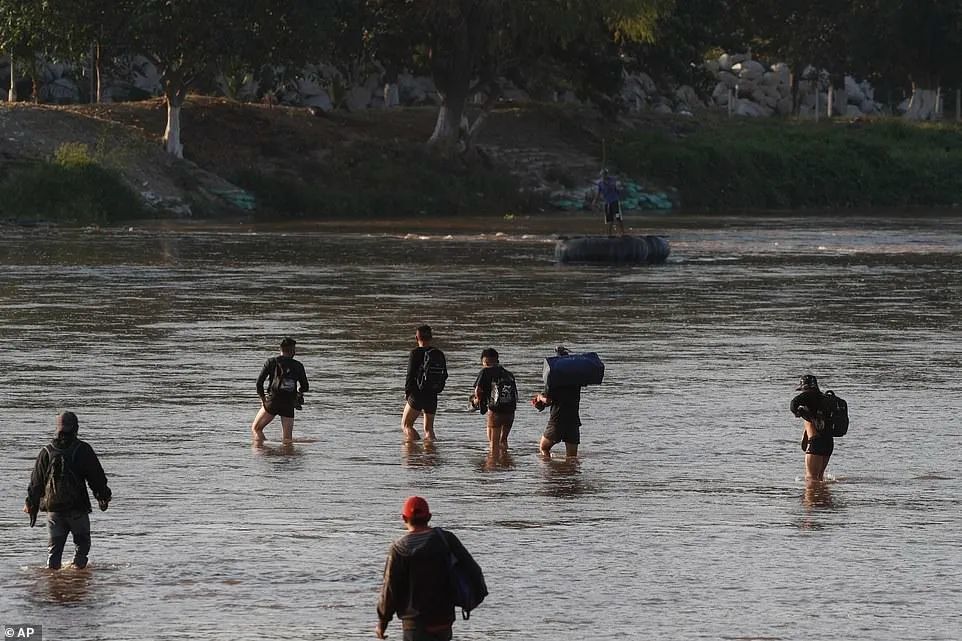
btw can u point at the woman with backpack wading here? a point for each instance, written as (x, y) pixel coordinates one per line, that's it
(826, 416)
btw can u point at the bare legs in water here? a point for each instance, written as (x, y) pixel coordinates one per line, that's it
(264, 418)
(407, 424)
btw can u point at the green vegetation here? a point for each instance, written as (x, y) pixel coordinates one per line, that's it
(72, 187)
(386, 180)
(779, 164)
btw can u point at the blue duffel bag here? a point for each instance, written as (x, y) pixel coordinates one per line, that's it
(573, 369)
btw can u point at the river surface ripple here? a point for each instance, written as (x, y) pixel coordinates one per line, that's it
(685, 517)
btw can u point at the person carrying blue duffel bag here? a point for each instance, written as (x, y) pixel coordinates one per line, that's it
(564, 376)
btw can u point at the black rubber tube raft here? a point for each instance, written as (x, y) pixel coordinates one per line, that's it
(612, 250)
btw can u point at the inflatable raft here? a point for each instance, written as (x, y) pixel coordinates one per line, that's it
(636, 250)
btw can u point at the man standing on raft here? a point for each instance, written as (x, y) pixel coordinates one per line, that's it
(608, 190)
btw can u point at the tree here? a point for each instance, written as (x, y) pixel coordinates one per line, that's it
(26, 34)
(468, 45)
(919, 43)
(190, 40)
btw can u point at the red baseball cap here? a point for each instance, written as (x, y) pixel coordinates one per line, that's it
(415, 507)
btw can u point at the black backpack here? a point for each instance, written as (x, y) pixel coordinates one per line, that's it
(284, 379)
(504, 392)
(64, 490)
(434, 372)
(833, 416)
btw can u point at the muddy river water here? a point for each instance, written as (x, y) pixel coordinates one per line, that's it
(686, 516)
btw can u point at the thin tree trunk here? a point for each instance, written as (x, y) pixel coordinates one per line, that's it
(923, 105)
(93, 72)
(494, 92)
(98, 71)
(12, 93)
(172, 144)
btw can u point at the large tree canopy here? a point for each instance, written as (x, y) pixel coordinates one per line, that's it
(468, 45)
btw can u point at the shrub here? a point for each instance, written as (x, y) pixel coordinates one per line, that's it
(73, 154)
(67, 190)
(390, 180)
(775, 165)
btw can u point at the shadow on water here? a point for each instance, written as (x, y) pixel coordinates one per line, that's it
(495, 462)
(69, 586)
(817, 500)
(563, 478)
(280, 451)
(420, 454)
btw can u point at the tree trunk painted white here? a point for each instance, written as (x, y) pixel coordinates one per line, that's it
(12, 94)
(831, 101)
(923, 104)
(172, 144)
(98, 72)
(447, 127)
(391, 95)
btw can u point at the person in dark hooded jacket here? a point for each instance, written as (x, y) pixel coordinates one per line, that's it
(58, 486)
(417, 578)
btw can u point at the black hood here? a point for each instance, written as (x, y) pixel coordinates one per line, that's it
(63, 440)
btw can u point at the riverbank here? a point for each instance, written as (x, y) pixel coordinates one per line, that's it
(278, 162)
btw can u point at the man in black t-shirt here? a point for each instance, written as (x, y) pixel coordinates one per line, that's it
(419, 398)
(496, 397)
(287, 383)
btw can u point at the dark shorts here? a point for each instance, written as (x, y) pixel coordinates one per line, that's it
(612, 212)
(281, 406)
(567, 432)
(427, 403)
(820, 446)
(420, 634)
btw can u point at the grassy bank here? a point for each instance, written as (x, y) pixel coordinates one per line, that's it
(73, 186)
(383, 180)
(77, 163)
(786, 165)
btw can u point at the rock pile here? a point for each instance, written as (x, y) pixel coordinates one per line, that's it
(748, 88)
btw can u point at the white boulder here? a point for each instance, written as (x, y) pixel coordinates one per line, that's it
(749, 70)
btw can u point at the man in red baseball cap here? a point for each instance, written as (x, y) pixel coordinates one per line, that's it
(417, 577)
